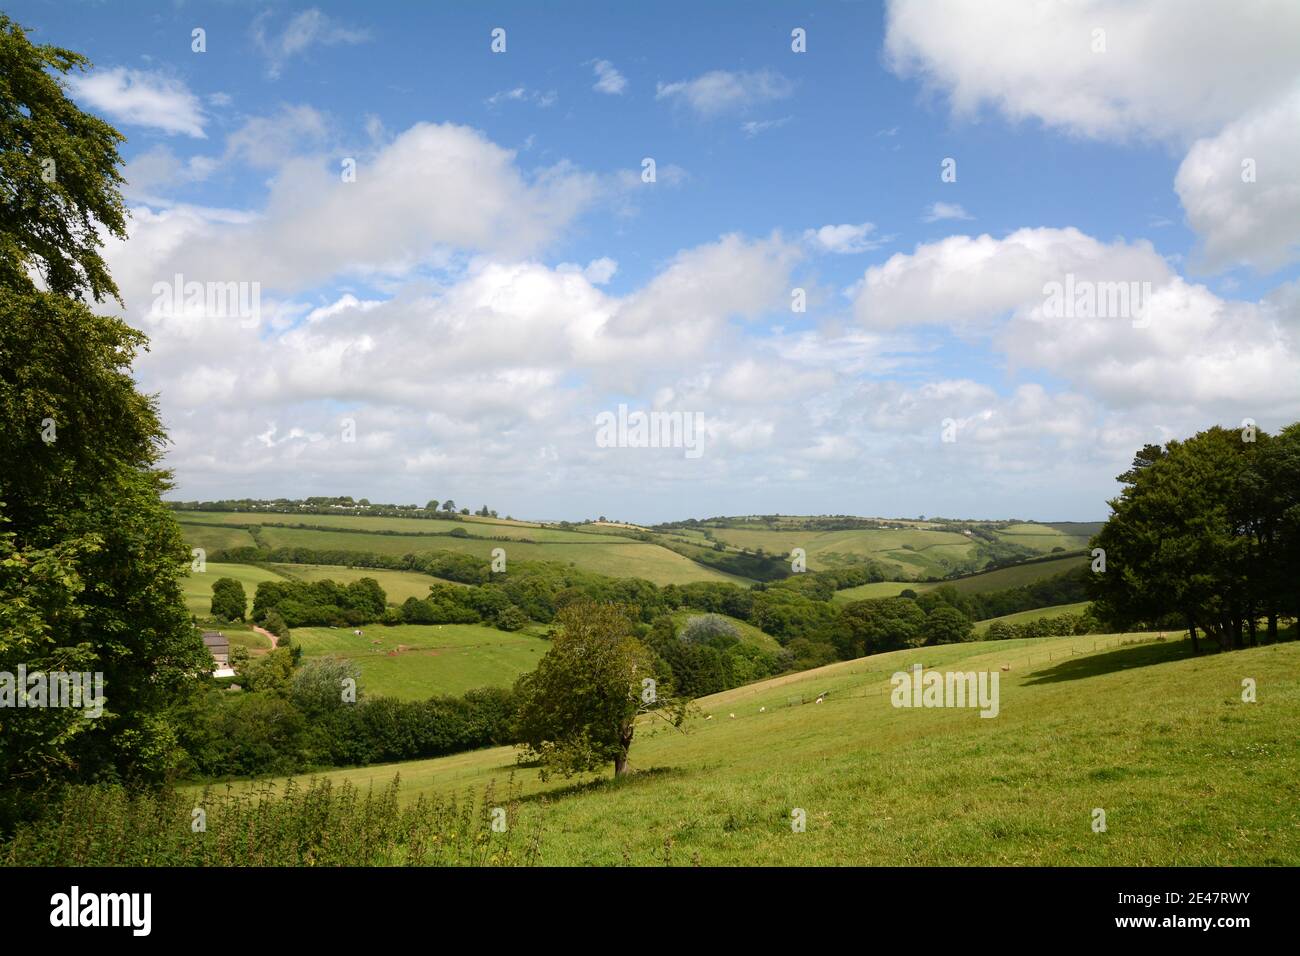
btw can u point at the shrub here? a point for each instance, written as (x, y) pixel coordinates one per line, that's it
(709, 629)
(511, 619)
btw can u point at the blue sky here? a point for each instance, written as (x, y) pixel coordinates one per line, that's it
(461, 304)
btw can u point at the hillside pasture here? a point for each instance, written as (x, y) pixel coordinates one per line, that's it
(397, 585)
(1042, 538)
(1041, 613)
(417, 661)
(884, 785)
(1017, 575)
(211, 536)
(603, 554)
(911, 552)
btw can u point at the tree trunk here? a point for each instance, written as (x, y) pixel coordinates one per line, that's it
(1272, 626)
(1250, 626)
(1191, 629)
(625, 744)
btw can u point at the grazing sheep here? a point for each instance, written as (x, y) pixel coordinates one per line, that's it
(762, 710)
(732, 716)
(1006, 667)
(821, 698)
(709, 717)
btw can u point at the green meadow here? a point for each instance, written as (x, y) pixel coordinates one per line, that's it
(1185, 771)
(397, 585)
(605, 554)
(1016, 575)
(418, 661)
(916, 550)
(1023, 617)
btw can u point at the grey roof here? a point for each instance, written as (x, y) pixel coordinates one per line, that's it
(214, 639)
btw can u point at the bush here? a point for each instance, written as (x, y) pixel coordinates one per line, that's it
(511, 619)
(709, 629)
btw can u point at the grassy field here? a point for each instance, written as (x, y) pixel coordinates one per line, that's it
(879, 589)
(416, 661)
(605, 554)
(198, 586)
(1186, 772)
(478, 527)
(914, 551)
(213, 537)
(1016, 575)
(910, 552)
(1010, 577)
(397, 585)
(1043, 538)
(1021, 617)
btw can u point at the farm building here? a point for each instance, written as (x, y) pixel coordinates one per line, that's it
(218, 646)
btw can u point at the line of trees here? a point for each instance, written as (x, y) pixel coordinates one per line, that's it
(293, 719)
(340, 504)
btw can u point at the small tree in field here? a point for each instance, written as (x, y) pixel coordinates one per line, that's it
(228, 600)
(578, 710)
(947, 625)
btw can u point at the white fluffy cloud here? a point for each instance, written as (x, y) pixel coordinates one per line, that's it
(1227, 77)
(608, 79)
(940, 211)
(1256, 221)
(490, 375)
(1163, 73)
(721, 91)
(141, 98)
(433, 190)
(479, 378)
(1187, 348)
(846, 238)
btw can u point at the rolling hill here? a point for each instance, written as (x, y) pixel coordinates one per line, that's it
(902, 786)
(908, 550)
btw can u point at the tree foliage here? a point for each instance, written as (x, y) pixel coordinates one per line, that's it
(578, 709)
(1205, 533)
(92, 559)
(229, 602)
(59, 177)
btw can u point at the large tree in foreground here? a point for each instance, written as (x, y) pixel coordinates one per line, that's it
(90, 558)
(578, 709)
(1205, 533)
